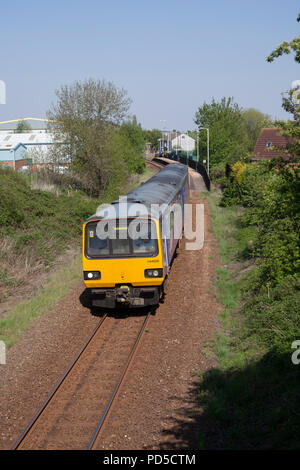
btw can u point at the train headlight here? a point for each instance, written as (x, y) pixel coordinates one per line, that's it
(91, 275)
(153, 273)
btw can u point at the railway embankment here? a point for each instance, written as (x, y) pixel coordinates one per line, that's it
(40, 235)
(40, 252)
(250, 399)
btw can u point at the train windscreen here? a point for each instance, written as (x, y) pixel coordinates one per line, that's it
(119, 238)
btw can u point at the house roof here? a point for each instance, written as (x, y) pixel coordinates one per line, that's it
(169, 135)
(179, 136)
(267, 144)
(173, 135)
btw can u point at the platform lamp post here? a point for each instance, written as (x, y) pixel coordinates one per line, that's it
(163, 133)
(187, 149)
(207, 132)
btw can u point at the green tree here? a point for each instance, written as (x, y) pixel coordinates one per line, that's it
(87, 119)
(228, 136)
(254, 121)
(22, 127)
(291, 129)
(152, 137)
(286, 48)
(134, 145)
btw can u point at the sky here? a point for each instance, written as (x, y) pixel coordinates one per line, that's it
(170, 56)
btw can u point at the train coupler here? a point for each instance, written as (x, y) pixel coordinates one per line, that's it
(123, 295)
(126, 296)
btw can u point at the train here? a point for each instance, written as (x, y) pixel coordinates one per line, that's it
(128, 246)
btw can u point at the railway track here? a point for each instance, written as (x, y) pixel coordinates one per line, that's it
(158, 165)
(74, 413)
(105, 413)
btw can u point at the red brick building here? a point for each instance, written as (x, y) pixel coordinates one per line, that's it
(16, 165)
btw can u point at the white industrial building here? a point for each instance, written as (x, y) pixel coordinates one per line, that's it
(37, 145)
(36, 151)
(29, 148)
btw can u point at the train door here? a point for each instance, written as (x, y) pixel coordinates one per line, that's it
(164, 243)
(171, 228)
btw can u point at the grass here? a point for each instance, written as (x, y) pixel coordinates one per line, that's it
(137, 179)
(36, 226)
(229, 284)
(251, 398)
(22, 316)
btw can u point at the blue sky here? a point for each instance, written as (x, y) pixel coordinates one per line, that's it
(170, 56)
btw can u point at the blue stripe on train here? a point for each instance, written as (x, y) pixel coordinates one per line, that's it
(182, 196)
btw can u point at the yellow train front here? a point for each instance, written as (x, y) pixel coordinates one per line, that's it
(128, 246)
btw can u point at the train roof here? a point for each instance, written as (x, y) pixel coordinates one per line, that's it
(158, 190)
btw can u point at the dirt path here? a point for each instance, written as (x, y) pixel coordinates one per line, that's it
(157, 407)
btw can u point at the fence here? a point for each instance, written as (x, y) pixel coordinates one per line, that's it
(191, 162)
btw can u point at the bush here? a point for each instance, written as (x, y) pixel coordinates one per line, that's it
(218, 175)
(271, 194)
(272, 317)
(250, 400)
(40, 223)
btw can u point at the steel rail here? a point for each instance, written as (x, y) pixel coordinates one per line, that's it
(26, 431)
(118, 385)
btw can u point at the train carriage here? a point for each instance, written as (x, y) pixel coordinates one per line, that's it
(128, 245)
